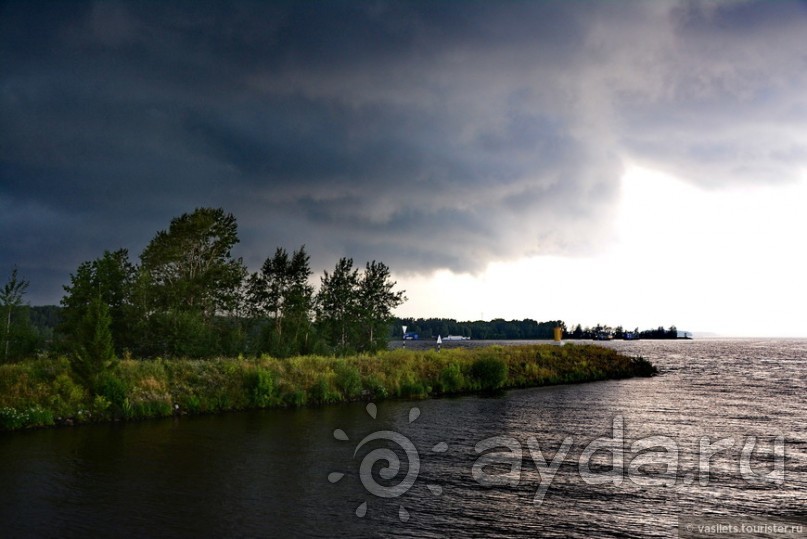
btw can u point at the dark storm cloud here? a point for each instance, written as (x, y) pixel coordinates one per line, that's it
(427, 135)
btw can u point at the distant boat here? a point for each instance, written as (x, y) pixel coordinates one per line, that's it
(456, 338)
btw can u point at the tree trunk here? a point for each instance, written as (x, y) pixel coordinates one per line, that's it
(8, 334)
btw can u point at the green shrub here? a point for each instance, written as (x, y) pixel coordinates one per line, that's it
(295, 398)
(412, 388)
(490, 372)
(34, 416)
(642, 367)
(261, 387)
(451, 379)
(101, 406)
(321, 392)
(40, 417)
(348, 380)
(12, 419)
(112, 389)
(67, 396)
(376, 388)
(192, 403)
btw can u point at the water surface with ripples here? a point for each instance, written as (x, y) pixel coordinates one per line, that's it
(265, 473)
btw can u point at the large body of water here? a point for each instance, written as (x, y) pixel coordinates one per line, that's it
(266, 474)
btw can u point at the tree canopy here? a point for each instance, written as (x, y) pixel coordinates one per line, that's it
(281, 292)
(190, 296)
(189, 267)
(112, 279)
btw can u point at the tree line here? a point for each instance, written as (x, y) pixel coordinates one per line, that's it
(190, 297)
(496, 329)
(500, 329)
(619, 332)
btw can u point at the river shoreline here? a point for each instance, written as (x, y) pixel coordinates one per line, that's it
(42, 393)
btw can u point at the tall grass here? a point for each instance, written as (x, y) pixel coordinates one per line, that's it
(43, 392)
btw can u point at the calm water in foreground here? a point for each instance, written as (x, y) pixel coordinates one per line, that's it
(266, 473)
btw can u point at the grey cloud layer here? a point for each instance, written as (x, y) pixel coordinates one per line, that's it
(426, 135)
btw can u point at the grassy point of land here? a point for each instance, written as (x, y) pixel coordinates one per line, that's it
(43, 392)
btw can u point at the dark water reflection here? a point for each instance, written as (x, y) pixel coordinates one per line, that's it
(265, 473)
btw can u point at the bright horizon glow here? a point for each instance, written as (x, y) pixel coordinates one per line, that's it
(729, 262)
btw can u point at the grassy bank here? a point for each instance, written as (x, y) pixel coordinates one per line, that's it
(42, 392)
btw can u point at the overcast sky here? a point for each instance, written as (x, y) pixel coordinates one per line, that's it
(633, 162)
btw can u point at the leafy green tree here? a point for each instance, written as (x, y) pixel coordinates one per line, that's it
(376, 301)
(354, 311)
(110, 278)
(94, 352)
(281, 292)
(182, 334)
(299, 301)
(116, 277)
(11, 300)
(490, 372)
(338, 305)
(190, 267)
(266, 288)
(189, 277)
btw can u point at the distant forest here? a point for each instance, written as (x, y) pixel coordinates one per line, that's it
(500, 329)
(497, 329)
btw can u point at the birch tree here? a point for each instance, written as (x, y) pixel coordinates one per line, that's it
(11, 299)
